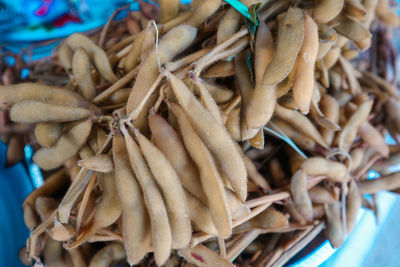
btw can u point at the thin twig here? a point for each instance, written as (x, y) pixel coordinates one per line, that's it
(84, 202)
(116, 86)
(124, 51)
(242, 244)
(361, 172)
(275, 8)
(160, 98)
(102, 238)
(113, 107)
(285, 229)
(266, 253)
(231, 105)
(176, 21)
(221, 246)
(35, 233)
(267, 199)
(183, 72)
(78, 185)
(76, 188)
(274, 256)
(90, 217)
(108, 24)
(203, 237)
(110, 233)
(16, 128)
(83, 236)
(251, 215)
(299, 243)
(175, 65)
(200, 238)
(199, 64)
(135, 113)
(312, 181)
(123, 43)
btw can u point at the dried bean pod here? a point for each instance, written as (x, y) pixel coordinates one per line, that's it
(334, 228)
(95, 53)
(31, 111)
(11, 94)
(301, 199)
(47, 133)
(335, 171)
(168, 141)
(171, 189)
(109, 209)
(107, 255)
(67, 145)
(209, 176)
(173, 43)
(65, 54)
(135, 231)
(214, 135)
(388, 182)
(100, 163)
(160, 228)
(82, 73)
(353, 205)
(326, 10)
(290, 40)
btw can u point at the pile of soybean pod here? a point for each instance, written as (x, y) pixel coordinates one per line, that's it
(192, 135)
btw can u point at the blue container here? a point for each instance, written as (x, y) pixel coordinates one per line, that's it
(15, 185)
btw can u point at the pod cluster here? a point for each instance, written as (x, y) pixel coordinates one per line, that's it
(205, 139)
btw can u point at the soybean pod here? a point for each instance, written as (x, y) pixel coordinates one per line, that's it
(214, 135)
(171, 189)
(135, 219)
(210, 179)
(160, 227)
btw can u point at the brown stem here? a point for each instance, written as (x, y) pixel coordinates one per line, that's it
(116, 86)
(78, 185)
(84, 201)
(108, 24)
(123, 43)
(124, 51)
(16, 128)
(361, 172)
(176, 21)
(231, 106)
(135, 113)
(312, 181)
(267, 199)
(298, 244)
(76, 188)
(41, 228)
(208, 60)
(173, 66)
(110, 233)
(251, 215)
(199, 64)
(242, 244)
(221, 246)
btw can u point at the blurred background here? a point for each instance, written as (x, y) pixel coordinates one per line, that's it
(31, 29)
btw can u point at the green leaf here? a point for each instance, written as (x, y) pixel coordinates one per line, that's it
(242, 9)
(250, 65)
(252, 28)
(253, 13)
(281, 135)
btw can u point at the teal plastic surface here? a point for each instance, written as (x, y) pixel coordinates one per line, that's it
(15, 185)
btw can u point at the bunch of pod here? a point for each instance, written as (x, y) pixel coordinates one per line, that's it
(201, 141)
